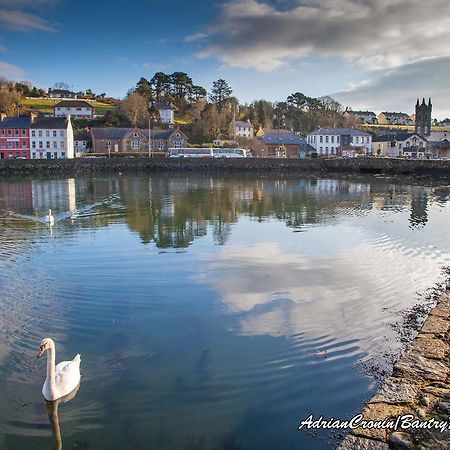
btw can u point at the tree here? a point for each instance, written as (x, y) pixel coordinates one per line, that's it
(134, 107)
(144, 88)
(181, 84)
(10, 98)
(198, 93)
(61, 85)
(220, 92)
(161, 84)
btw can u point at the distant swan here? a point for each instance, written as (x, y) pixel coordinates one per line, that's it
(49, 218)
(62, 379)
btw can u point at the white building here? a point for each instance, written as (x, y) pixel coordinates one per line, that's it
(243, 129)
(61, 93)
(409, 145)
(77, 109)
(166, 112)
(51, 137)
(81, 142)
(331, 141)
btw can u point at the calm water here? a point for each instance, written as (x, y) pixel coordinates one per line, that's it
(210, 313)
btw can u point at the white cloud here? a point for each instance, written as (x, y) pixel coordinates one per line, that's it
(399, 88)
(373, 33)
(11, 71)
(22, 21)
(196, 37)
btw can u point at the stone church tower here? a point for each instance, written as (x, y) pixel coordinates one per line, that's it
(423, 118)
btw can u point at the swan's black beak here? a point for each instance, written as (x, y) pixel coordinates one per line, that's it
(41, 351)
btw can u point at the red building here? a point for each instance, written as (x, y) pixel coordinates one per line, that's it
(15, 137)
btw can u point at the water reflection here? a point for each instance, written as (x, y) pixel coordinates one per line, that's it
(53, 417)
(212, 312)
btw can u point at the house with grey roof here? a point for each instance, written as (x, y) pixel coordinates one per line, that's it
(77, 109)
(280, 144)
(334, 141)
(394, 118)
(81, 142)
(166, 112)
(243, 128)
(135, 140)
(362, 116)
(51, 138)
(61, 93)
(395, 145)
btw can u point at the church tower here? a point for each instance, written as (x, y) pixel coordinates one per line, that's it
(423, 117)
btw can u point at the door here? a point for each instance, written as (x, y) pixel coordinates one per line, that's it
(49, 155)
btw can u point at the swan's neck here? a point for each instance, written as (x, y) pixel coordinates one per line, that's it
(51, 367)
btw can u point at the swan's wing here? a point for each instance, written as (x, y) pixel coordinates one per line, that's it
(67, 372)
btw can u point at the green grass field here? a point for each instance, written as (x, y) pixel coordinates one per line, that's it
(402, 127)
(45, 105)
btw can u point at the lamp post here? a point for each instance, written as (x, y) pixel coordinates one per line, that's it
(152, 111)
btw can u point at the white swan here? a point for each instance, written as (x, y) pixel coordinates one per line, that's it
(49, 218)
(62, 379)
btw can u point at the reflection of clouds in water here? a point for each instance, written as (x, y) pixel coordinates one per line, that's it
(276, 292)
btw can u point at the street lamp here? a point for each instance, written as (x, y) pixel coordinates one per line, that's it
(151, 115)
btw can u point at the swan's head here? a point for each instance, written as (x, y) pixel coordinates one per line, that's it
(46, 343)
(49, 212)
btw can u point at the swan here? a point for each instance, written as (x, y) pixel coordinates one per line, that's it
(62, 379)
(49, 218)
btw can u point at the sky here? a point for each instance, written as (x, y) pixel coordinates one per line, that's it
(368, 54)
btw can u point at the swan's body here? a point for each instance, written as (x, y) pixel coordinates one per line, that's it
(49, 218)
(62, 378)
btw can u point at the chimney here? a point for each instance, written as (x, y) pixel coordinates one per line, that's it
(32, 117)
(2, 116)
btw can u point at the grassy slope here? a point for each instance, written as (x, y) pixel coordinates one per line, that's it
(45, 105)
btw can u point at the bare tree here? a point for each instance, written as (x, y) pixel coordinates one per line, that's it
(134, 107)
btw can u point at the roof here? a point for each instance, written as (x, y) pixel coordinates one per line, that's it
(395, 114)
(16, 122)
(73, 104)
(283, 138)
(120, 133)
(360, 112)
(444, 144)
(395, 137)
(339, 132)
(50, 123)
(164, 106)
(81, 135)
(60, 91)
(242, 123)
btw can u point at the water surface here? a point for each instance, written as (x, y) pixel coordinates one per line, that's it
(210, 313)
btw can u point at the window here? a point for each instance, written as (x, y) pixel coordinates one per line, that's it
(160, 145)
(338, 139)
(33, 144)
(33, 133)
(178, 144)
(332, 139)
(24, 144)
(108, 145)
(61, 133)
(47, 133)
(63, 154)
(321, 140)
(41, 144)
(9, 144)
(33, 154)
(55, 144)
(54, 133)
(3, 144)
(24, 133)
(135, 145)
(326, 139)
(16, 133)
(55, 154)
(62, 144)
(2, 132)
(40, 133)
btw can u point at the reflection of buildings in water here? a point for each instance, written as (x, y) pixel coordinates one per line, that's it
(58, 195)
(419, 207)
(16, 196)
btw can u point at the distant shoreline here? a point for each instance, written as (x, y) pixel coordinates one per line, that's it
(85, 166)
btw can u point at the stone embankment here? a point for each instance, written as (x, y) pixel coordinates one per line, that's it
(419, 385)
(74, 167)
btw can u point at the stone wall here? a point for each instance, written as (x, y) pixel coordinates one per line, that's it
(430, 168)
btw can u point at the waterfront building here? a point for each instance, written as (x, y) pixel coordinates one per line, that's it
(51, 137)
(166, 112)
(14, 137)
(77, 109)
(409, 145)
(335, 141)
(243, 129)
(81, 142)
(280, 144)
(106, 140)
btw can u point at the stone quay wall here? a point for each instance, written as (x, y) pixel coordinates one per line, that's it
(74, 167)
(419, 385)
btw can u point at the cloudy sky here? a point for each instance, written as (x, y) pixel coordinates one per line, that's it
(376, 54)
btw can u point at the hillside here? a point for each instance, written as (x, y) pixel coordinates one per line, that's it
(45, 105)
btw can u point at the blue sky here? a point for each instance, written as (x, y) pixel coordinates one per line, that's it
(366, 53)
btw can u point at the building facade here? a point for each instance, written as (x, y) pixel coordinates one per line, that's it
(280, 144)
(166, 112)
(423, 117)
(76, 109)
(61, 93)
(398, 145)
(51, 138)
(362, 116)
(243, 129)
(81, 142)
(135, 140)
(394, 118)
(14, 137)
(330, 141)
